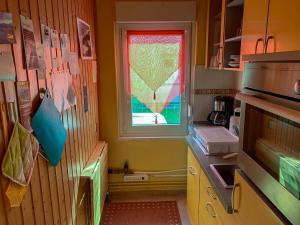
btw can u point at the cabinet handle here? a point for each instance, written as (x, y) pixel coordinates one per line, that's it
(210, 211)
(257, 42)
(192, 171)
(233, 197)
(208, 190)
(82, 198)
(267, 42)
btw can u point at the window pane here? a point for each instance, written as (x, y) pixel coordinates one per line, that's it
(156, 76)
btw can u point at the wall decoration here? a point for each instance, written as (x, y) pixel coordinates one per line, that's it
(41, 56)
(24, 99)
(73, 63)
(15, 194)
(46, 35)
(63, 90)
(49, 130)
(95, 71)
(55, 60)
(65, 47)
(20, 156)
(7, 72)
(85, 39)
(32, 61)
(41, 74)
(85, 99)
(55, 39)
(60, 90)
(46, 39)
(7, 30)
(71, 94)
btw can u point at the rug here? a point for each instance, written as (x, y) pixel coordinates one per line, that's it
(141, 213)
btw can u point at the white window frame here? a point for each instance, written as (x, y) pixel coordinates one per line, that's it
(126, 130)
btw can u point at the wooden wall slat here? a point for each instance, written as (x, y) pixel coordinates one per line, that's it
(51, 198)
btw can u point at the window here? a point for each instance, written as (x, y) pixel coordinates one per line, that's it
(153, 75)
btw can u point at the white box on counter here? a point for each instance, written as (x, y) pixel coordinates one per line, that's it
(217, 140)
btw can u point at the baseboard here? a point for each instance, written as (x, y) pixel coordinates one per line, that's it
(146, 186)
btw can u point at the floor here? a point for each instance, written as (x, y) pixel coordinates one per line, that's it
(142, 196)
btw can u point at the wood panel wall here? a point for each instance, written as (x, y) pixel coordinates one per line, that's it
(52, 194)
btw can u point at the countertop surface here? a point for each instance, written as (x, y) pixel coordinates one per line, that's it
(205, 161)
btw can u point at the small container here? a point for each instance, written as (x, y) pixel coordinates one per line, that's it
(234, 124)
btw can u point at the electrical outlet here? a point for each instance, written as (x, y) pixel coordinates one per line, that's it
(136, 177)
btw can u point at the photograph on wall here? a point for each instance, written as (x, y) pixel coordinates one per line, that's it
(7, 29)
(65, 47)
(60, 88)
(32, 61)
(46, 35)
(55, 39)
(55, 60)
(73, 63)
(41, 56)
(7, 72)
(70, 98)
(85, 39)
(24, 99)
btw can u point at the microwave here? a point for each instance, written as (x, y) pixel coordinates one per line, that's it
(270, 133)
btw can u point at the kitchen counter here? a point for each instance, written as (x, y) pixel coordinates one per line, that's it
(205, 161)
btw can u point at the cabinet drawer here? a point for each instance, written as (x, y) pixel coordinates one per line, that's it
(224, 217)
(207, 208)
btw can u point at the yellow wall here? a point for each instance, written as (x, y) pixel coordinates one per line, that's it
(142, 154)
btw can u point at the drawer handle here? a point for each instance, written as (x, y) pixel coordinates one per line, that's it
(192, 171)
(210, 209)
(257, 42)
(209, 190)
(237, 185)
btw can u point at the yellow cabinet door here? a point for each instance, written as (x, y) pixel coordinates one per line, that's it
(254, 26)
(283, 26)
(207, 209)
(193, 183)
(249, 208)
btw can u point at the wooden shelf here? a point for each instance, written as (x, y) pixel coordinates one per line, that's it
(233, 69)
(235, 3)
(234, 39)
(213, 68)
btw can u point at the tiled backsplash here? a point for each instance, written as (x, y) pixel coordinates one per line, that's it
(228, 91)
(210, 83)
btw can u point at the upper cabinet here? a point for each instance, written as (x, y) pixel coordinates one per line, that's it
(224, 34)
(283, 30)
(254, 26)
(214, 44)
(270, 26)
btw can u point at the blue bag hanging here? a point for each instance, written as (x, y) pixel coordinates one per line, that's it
(49, 130)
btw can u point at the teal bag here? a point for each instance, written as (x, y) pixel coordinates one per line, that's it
(49, 130)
